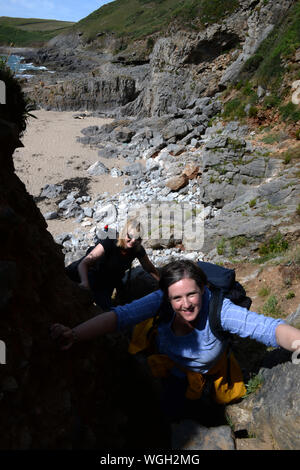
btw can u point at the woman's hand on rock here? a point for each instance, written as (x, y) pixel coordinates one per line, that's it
(62, 335)
(83, 285)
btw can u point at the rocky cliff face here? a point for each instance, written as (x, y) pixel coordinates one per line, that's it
(82, 403)
(181, 66)
(271, 414)
(50, 399)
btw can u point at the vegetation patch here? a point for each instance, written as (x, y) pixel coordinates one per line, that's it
(254, 384)
(17, 108)
(264, 291)
(210, 11)
(290, 112)
(282, 42)
(221, 246)
(269, 68)
(271, 307)
(136, 19)
(236, 243)
(273, 247)
(291, 153)
(29, 31)
(232, 245)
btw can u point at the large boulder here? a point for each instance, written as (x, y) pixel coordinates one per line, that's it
(272, 413)
(86, 397)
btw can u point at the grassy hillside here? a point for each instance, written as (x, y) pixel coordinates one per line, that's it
(139, 18)
(29, 31)
(274, 68)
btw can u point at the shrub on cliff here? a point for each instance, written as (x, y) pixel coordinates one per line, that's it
(269, 68)
(16, 108)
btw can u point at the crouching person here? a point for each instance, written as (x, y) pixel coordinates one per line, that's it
(185, 350)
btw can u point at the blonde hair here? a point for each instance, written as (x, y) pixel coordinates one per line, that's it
(134, 227)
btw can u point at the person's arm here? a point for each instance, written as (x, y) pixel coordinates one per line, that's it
(288, 337)
(119, 318)
(88, 261)
(96, 326)
(248, 324)
(149, 267)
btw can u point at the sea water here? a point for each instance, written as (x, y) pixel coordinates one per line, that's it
(20, 69)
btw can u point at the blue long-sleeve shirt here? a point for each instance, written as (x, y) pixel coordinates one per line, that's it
(200, 349)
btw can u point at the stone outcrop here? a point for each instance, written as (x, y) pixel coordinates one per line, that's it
(179, 152)
(90, 94)
(49, 399)
(271, 414)
(181, 66)
(246, 193)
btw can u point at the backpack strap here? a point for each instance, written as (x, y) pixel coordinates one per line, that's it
(127, 284)
(215, 307)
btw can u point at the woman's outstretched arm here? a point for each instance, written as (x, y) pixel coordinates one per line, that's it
(88, 261)
(96, 326)
(288, 337)
(119, 318)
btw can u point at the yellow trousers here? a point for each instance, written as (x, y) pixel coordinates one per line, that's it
(228, 384)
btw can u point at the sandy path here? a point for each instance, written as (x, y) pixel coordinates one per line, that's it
(51, 154)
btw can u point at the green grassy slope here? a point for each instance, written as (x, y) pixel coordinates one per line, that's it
(274, 68)
(29, 31)
(134, 19)
(139, 18)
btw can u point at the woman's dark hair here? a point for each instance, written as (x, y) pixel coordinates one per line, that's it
(174, 272)
(181, 269)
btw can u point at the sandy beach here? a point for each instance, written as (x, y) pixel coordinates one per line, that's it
(52, 154)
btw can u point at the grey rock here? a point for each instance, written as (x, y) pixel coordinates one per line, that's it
(97, 169)
(276, 405)
(51, 191)
(176, 130)
(25, 438)
(152, 165)
(294, 318)
(196, 133)
(73, 211)
(175, 149)
(101, 211)
(275, 191)
(8, 282)
(135, 170)
(256, 168)
(60, 239)
(158, 142)
(260, 91)
(123, 134)
(9, 384)
(116, 172)
(70, 207)
(218, 142)
(90, 131)
(88, 211)
(51, 215)
(233, 224)
(108, 152)
(247, 108)
(66, 203)
(279, 198)
(189, 435)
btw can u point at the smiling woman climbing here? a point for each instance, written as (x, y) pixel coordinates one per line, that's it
(104, 265)
(186, 351)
